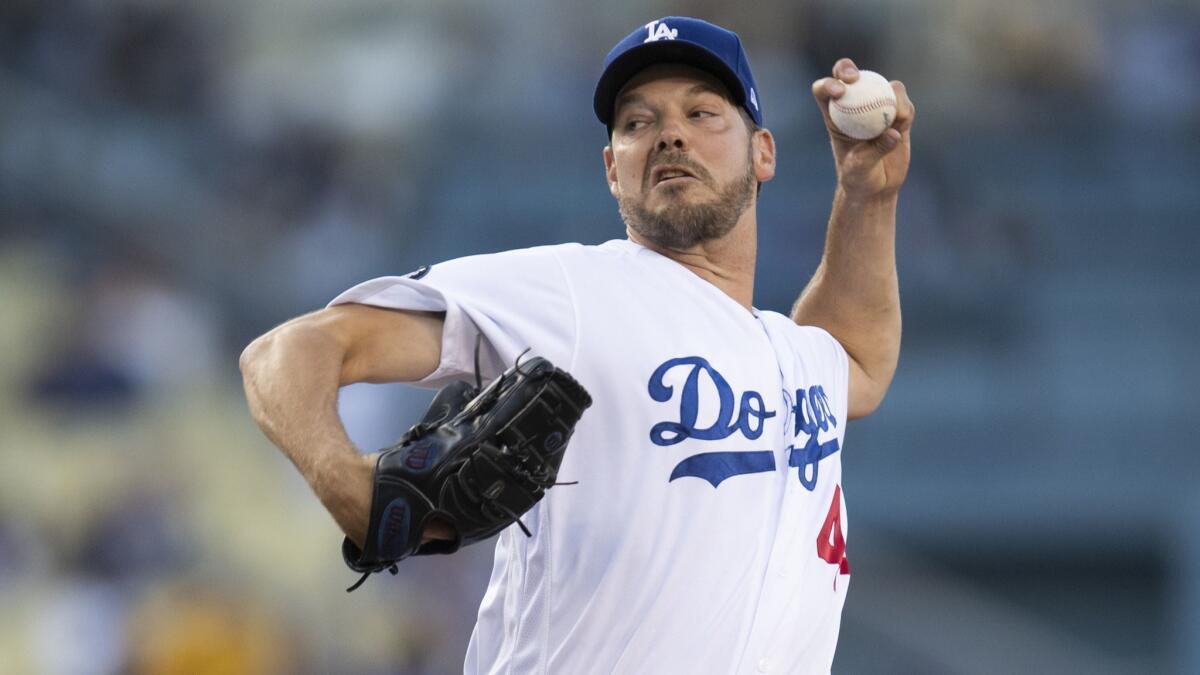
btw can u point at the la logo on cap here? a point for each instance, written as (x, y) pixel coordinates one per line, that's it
(656, 30)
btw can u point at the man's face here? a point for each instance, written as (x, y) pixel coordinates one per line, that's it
(682, 164)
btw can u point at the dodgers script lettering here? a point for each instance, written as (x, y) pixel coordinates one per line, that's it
(744, 415)
(751, 416)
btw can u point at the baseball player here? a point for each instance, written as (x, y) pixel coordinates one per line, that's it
(705, 531)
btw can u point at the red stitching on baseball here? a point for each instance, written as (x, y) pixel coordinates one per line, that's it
(866, 107)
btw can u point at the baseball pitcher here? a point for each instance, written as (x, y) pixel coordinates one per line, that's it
(660, 458)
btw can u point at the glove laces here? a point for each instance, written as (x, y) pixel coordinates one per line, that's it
(391, 568)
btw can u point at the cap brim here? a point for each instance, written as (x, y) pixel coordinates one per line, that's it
(621, 70)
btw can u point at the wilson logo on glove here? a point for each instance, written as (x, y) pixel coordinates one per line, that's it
(417, 457)
(395, 525)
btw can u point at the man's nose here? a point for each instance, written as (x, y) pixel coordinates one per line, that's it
(671, 136)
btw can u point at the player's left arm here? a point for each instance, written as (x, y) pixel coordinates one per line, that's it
(854, 293)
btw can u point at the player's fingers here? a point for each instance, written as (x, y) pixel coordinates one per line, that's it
(845, 70)
(888, 141)
(827, 88)
(905, 110)
(823, 90)
(437, 528)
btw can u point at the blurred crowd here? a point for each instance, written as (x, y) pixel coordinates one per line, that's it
(176, 178)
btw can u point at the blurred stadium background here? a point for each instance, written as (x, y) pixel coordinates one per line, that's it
(176, 178)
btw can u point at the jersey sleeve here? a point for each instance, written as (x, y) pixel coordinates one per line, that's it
(813, 357)
(515, 300)
(836, 366)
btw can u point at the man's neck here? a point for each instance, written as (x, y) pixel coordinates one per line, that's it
(727, 263)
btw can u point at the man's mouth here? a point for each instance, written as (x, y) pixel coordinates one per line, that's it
(665, 174)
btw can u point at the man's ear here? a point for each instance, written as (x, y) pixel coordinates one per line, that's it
(763, 155)
(610, 172)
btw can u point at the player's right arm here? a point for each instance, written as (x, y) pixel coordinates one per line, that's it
(292, 375)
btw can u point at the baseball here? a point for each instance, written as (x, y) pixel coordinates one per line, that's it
(867, 108)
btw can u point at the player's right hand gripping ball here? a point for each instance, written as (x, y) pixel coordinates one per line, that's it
(478, 460)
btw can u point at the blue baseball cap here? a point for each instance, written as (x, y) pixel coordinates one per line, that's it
(678, 39)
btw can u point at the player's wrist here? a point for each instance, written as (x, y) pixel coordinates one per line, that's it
(857, 196)
(345, 484)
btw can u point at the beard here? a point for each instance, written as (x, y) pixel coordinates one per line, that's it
(680, 225)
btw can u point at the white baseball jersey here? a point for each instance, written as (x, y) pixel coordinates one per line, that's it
(707, 531)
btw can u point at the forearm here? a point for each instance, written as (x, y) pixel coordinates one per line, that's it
(291, 377)
(854, 293)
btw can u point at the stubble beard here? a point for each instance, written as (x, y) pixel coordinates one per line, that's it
(681, 225)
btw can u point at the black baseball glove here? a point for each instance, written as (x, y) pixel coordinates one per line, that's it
(478, 460)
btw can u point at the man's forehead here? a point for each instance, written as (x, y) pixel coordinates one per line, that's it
(687, 79)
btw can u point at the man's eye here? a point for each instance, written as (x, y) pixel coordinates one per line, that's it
(634, 125)
(702, 113)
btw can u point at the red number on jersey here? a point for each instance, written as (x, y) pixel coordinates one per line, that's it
(831, 545)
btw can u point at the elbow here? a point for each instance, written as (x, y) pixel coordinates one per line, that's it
(254, 353)
(864, 403)
(871, 375)
(868, 390)
(867, 402)
(305, 339)
(251, 363)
